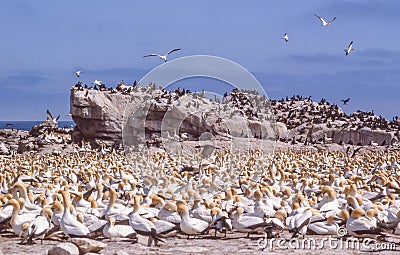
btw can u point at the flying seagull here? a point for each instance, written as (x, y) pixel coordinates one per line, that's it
(324, 23)
(53, 121)
(345, 101)
(78, 73)
(286, 37)
(349, 48)
(163, 57)
(97, 82)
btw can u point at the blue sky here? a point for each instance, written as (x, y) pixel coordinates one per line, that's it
(43, 42)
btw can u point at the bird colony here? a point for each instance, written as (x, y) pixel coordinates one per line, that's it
(107, 195)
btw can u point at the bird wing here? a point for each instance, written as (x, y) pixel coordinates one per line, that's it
(329, 206)
(58, 117)
(140, 224)
(39, 226)
(169, 52)
(320, 18)
(332, 20)
(359, 226)
(49, 116)
(252, 222)
(125, 231)
(355, 151)
(303, 219)
(351, 43)
(151, 55)
(80, 230)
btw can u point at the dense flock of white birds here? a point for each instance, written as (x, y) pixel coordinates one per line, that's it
(91, 194)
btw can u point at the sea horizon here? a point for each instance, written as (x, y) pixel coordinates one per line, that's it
(28, 124)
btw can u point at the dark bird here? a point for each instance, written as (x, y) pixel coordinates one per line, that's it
(163, 57)
(10, 125)
(345, 101)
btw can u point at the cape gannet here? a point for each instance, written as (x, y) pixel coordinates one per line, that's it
(324, 23)
(163, 57)
(349, 48)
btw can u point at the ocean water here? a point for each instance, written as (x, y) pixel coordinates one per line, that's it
(27, 125)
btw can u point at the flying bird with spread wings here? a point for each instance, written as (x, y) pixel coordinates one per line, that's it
(286, 37)
(345, 101)
(349, 48)
(324, 23)
(53, 121)
(163, 57)
(78, 73)
(97, 82)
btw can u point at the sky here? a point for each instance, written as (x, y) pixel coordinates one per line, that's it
(42, 44)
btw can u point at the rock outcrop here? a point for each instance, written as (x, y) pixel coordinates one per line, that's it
(152, 113)
(98, 115)
(42, 139)
(322, 122)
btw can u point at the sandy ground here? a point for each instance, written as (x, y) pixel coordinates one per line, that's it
(234, 243)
